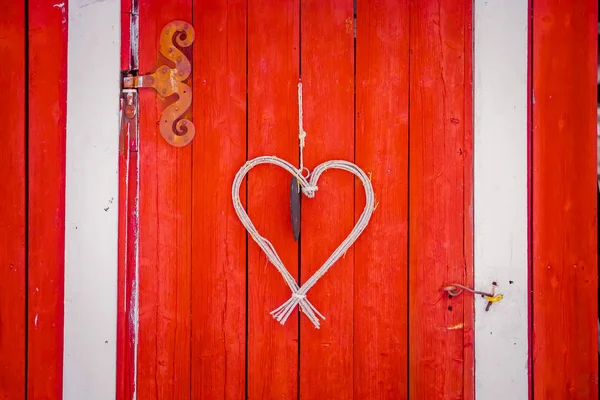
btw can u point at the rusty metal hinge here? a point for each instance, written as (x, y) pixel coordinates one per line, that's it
(174, 128)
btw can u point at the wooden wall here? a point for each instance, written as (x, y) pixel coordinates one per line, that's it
(32, 158)
(386, 85)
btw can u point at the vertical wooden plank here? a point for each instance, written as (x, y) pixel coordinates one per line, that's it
(91, 215)
(437, 197)
(326, 354)
(468, 149)
(126, 11)
(218, 348)
(273, 70)
(501, 197)
(165, 229)
(12, 207)
(123, 343)
(125, 329)
(565, 354)
(128, 220)
(381, 255)
(46, 200)
(129, 190)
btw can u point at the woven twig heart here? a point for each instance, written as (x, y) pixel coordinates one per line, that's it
(309, 187)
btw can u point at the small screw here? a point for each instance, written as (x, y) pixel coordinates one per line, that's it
(129, 111)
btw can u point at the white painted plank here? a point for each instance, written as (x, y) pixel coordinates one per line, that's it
(91, 200)
(500, 198)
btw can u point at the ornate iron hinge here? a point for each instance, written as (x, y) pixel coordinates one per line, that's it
(167, 81)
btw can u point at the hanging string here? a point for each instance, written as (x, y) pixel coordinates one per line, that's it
(301, 133)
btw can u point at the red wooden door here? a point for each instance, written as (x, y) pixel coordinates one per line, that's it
(387, 85)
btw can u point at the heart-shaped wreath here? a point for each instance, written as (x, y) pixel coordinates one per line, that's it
(309, 188)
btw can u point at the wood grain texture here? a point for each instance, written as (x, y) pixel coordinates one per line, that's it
(273, 70)
(437, 198)
(13, 207)
(129, 234)
(326, 354)
(468, 199)
(165, 230)
(46, 200)
(126, 10)
(381, 253)
(123, 305)
(218, 352)
(565, 342)
(128, 177)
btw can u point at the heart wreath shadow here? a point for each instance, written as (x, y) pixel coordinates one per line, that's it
(309, 188)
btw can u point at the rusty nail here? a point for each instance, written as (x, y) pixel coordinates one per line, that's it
(489, 304)
(185, 26)
(164, 70)
(164, 91)
(130, 111)
(178, 59)
(167, 32)
(170, 49)
(183, 122)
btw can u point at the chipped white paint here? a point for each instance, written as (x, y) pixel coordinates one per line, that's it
(35, 320)
(60, 5)
(501, 198)
(91, 234)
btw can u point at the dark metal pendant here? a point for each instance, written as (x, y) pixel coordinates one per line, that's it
(295, 197)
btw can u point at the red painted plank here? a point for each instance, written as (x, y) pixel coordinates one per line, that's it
(326, 355)
(468, 225)
(126, 277)
(381, 255)
(565, 345)
(273, 68)
(46, 208)
(165, 230)
(128, 256)
(530, 196)
(124, 344)
(12, 207)
(218, 347)
(125, 38)
(437, 242)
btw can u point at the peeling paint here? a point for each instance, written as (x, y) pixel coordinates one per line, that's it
(455, 327)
